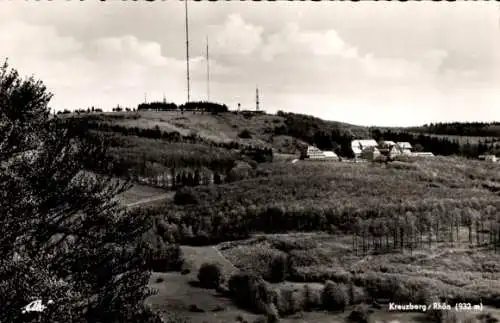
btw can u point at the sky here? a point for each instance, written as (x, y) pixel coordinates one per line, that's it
(367, 63)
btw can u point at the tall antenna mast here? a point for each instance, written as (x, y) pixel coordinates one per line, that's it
(187, 49)
(208, 74)
(257, 98)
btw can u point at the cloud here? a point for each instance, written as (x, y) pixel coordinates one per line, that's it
(237, 37)
(130, 49)
(319, 43)
(111, 69)
(35, 41)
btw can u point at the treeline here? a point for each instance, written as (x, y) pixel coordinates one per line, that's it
(437, 145)
(476, 129)
(202, 106)
(78, 111)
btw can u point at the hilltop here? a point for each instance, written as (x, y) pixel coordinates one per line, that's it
(283, 132)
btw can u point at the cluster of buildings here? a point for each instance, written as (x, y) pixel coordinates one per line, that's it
(367, 149)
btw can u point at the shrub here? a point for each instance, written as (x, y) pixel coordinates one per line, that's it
(311, 299)
(251, 291)
(245, 134)
(279, 269)
(240, 171)
(164, 258)
(333, 297)
(185, 196)
(360, 314)
(195, 308)
(289, 302)
(210, 275)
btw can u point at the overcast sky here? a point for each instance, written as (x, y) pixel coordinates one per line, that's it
(372, 63)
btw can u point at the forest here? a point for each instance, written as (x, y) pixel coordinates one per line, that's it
(477, 129)
(342, 198)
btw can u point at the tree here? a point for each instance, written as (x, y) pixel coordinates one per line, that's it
(217, 178)
(210, 275)
(62, 235)
(197, 177)
(333, 297)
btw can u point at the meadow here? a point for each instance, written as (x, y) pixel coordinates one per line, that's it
(402, 231)
(224, 127)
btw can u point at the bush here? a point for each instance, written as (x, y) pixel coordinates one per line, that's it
(360, 314)
(240, 171)
(279, 269)
(252, 292)
(195, 308)
(289, 302)
(185, 196)
(312, 298)
(210, 275)
(333, 297)
(164, 258)
(245, 134)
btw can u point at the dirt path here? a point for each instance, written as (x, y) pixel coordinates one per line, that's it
(160, 197)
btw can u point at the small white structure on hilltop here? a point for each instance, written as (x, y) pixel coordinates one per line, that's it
(490, 158)
(313, 153)
(359, 145)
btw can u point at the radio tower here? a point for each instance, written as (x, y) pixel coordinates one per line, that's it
(257, 99)
(208, 74)
(187, 49)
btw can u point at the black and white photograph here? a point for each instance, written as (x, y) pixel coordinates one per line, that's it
(185, 161)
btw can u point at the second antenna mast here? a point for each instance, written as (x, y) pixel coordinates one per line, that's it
(187, 49)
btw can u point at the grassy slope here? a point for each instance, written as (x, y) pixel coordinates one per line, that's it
(224, 127)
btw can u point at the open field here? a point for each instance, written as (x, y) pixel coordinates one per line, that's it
(223, 127)
(139, 193)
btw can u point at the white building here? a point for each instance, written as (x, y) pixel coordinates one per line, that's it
(314, 153)
(359, 145)
(404, 147)
(370, 153)
(423, 154)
